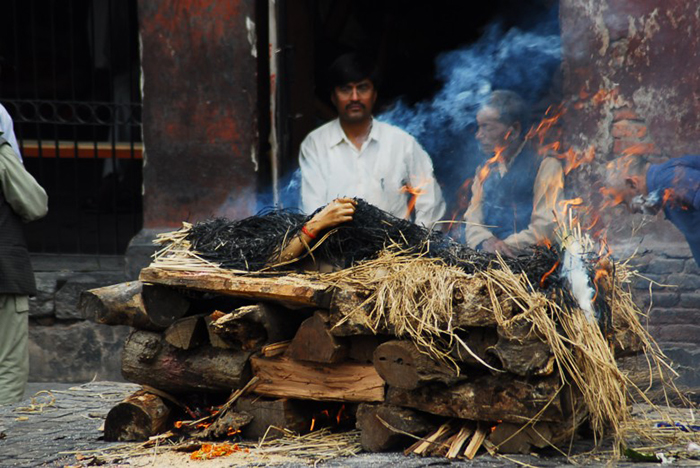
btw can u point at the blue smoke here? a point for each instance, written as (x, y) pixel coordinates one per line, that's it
(520, 60)
(523, 60)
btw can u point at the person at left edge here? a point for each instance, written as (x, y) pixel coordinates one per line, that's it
(355, 155)
(22, 199)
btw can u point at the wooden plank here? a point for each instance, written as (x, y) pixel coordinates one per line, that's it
(289, 290)
(285, 378)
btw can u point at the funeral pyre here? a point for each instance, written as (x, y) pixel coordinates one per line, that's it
(421, 343)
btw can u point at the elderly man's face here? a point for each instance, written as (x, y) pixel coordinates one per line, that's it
(354, 101)
(492, 132)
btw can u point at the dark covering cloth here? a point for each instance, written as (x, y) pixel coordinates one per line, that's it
(681, 176)
(507, 200)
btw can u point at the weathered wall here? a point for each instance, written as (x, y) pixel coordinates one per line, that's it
(199, 109)
(630, 70)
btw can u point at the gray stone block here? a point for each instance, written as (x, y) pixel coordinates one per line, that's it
(67, 295)
(674, 316)
(690, 300)
(691, 267)
(662, 299)
(674, 333)
(76, 352)
(665, 266)
(685, 281)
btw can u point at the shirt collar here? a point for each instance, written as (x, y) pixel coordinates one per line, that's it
(338, 135)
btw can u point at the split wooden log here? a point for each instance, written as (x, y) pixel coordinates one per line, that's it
(285, 378)
(433, 440)
(187, 333)
(459, 441)
(251, 327)
(401, 364)
(137, 418)
(520, 438)
(214, 338)
(488, 398)
(314, 342)
(475, 443)
(164, 305)
(281, 412)
(384, 427)
(480, 340)
(522, 352)
(118, 304)
(294, 291)
(148, 359)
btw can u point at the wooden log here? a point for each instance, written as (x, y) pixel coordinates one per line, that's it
(488, 398)
(401, 364)
(118, 304)
(285, 378)
(187, 332)
(148, 359)
(518, 438)
(289, 290)
(214, 338)
(164, 305)
(432, 440)
(480, 340)
(137, 418)
(279, 412)
(384, 427)
(471, 303)
(521, 352)
(362, 347)
(314, 342)
(253, 326)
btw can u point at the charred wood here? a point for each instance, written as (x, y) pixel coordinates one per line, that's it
(164, 305)
(187, 333)
(314, 342)
(281, 412)
(253, 326)
(148, 359)
(487, 398)
(118, 304)
(137, 418)
(384, 427)
(401, 364)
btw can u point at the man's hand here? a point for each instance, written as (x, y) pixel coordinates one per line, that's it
(339, 211)
(494, 244)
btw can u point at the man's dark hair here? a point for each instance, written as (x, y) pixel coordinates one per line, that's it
(352, 67)
(510, 106)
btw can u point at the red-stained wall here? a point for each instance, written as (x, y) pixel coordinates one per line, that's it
(200, 110)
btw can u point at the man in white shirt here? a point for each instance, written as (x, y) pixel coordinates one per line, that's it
(358, 156)
(8, 131)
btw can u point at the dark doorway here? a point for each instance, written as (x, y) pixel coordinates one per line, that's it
(405, 39)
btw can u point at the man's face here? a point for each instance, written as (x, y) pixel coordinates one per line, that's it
(492, 132)
(354, 101)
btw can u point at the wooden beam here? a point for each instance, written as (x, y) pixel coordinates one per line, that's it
(285, 378)
(289, 290)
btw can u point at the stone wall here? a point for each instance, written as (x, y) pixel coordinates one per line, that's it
(631, 87)
(63, 346)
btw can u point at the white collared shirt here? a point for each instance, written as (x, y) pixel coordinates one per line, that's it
(389, 162)
(8, 131)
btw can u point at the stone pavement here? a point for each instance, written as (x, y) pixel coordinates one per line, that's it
(49, 429)
(36, 431)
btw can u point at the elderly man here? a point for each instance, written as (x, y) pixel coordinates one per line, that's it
(515, 191)
(673, 186)
(357, 156)
(21, 200)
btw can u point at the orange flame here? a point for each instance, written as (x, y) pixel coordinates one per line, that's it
(209, 451)
(415, 193)
(340, 412)
(547, 275)
(313, 424)
(232, 432)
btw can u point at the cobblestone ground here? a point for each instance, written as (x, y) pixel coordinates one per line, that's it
(51, 429)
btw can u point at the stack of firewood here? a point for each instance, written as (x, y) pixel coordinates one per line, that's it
(310, 363)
